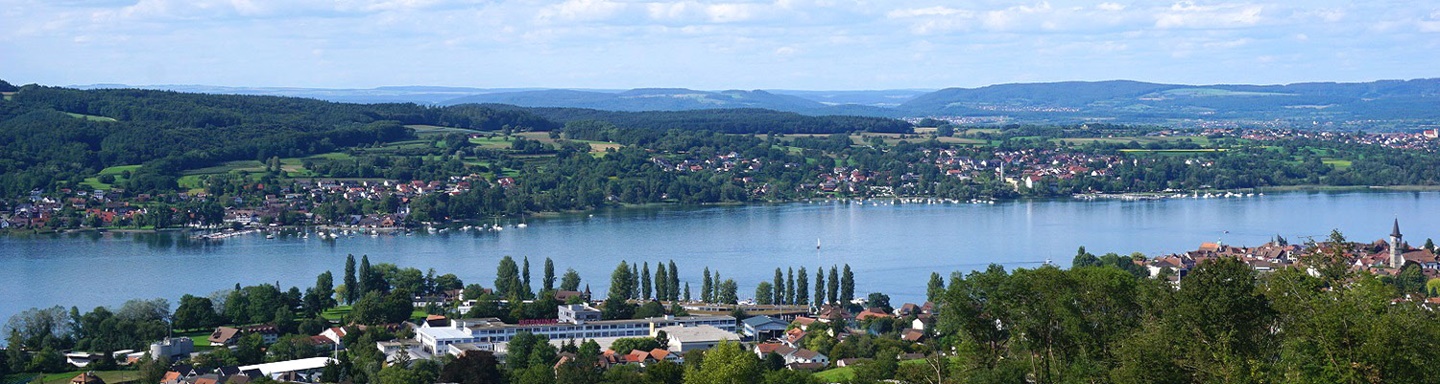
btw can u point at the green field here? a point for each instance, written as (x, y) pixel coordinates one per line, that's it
(846, 374)
(436, 130)
(226, 167)
(1214, 92)
(961, 140)
(1198, 140)
(91, 117)
(117, 171)
(491, 142)
(1339, 164)
(1174, 151)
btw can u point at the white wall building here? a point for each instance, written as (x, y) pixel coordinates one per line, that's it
(437, 339)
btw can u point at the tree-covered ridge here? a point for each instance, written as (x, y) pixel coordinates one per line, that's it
(53, 137)
(57, 137)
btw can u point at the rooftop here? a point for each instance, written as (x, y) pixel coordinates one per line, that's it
(289, 366)
(701, 333)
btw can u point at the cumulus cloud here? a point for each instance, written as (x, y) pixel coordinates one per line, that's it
(1186, 14)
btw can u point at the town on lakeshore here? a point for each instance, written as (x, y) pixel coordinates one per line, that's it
(353, 205)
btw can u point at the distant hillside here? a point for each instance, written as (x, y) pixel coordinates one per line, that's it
(1380, 104)
(729, 120)
(397, 94)
(644, 99)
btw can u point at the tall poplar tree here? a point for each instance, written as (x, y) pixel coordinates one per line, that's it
(662, 283)
(790, 285)
(832, 286)
(525, 279)
(645, 281)
(802, 287)
(365, 279)
(777, 288)
(674, 275)
(819, 286)
(351, 287)
(706, 286)
(548, 284)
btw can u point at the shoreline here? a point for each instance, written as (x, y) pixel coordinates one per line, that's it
(1124, 196)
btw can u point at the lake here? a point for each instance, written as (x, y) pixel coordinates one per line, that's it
(891, 248)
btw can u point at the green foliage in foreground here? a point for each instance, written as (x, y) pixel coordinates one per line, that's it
(1222, 325)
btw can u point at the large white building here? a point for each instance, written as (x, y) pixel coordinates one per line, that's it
(437, 339)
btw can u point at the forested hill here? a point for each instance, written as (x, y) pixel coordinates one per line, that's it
(52, 137)
(57, 136)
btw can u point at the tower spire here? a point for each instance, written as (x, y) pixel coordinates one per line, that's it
(1397, 258)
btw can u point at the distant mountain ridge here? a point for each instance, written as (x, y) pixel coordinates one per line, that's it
(645, 99)
(1385, 104)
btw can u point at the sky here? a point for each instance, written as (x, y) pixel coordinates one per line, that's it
(700, 44)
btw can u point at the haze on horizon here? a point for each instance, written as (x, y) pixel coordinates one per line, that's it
(702, 44)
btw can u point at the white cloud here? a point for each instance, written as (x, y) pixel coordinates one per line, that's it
(581, 10)
(1186, 14)
(1430, 24)
(1004, 19)
(1111, 7)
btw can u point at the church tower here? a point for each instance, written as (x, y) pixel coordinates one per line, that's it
(1396, 260)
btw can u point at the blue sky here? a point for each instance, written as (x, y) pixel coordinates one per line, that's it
(733, 44)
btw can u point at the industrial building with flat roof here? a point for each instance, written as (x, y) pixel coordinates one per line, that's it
(574, 323)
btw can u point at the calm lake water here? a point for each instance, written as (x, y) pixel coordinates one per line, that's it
(891, 248)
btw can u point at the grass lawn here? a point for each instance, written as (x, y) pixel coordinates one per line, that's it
(201, 338)
(334, 314)
(64, 377)
(836, 375)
